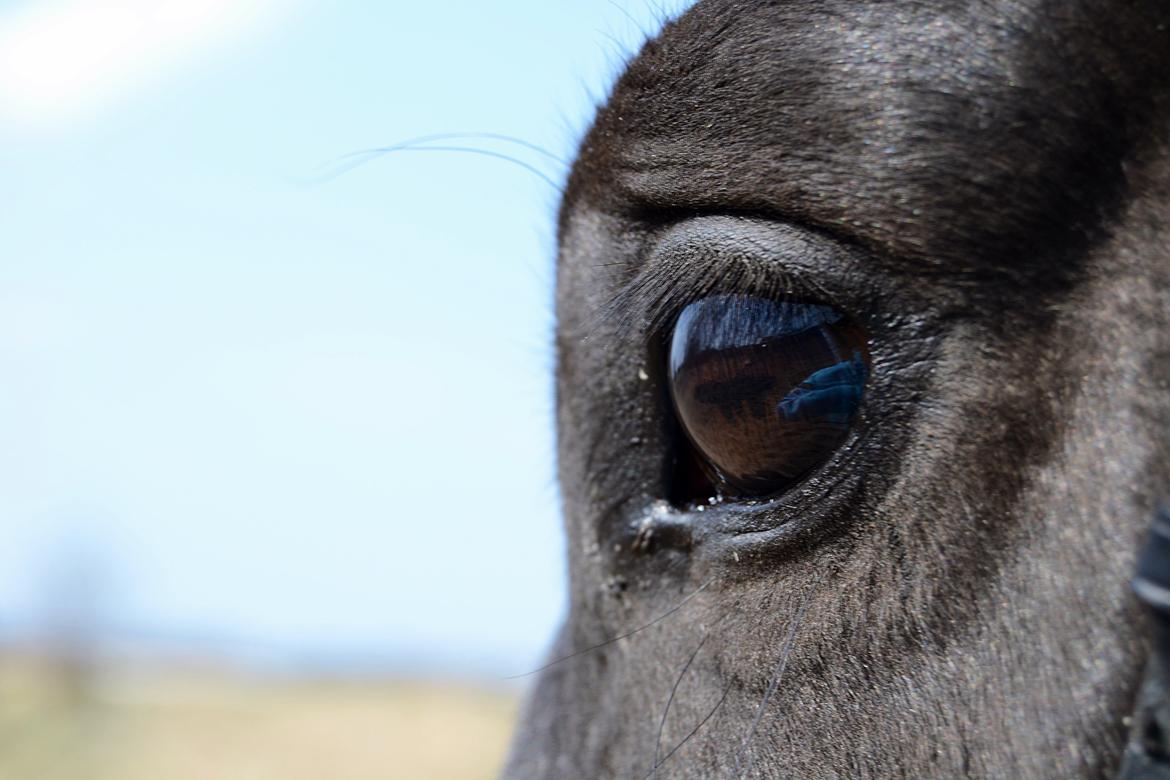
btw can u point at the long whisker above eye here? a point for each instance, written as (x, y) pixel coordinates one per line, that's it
(370, 156)
(433, 137)
(619, 637)
(347, 162)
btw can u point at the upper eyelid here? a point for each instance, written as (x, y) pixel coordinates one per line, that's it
(716, 254)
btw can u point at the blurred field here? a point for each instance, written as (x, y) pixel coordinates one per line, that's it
(62, 724)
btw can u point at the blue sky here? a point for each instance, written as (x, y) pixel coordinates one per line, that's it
(276, 416)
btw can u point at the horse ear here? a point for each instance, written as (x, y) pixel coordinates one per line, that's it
(1147, 756)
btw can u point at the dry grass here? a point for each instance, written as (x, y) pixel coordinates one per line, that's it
(225, 726)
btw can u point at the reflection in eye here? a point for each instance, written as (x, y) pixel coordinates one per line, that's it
(765, 390)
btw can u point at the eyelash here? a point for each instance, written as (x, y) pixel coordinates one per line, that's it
(650, 301)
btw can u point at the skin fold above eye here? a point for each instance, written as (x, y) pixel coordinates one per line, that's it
(765, 390)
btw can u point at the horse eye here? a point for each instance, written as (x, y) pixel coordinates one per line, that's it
(764, 390)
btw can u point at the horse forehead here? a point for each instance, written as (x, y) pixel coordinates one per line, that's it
(940, 131)
(803, 69)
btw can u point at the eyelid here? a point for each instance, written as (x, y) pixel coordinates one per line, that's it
(716, 254)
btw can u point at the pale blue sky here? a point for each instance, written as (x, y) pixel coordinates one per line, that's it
(288, 420)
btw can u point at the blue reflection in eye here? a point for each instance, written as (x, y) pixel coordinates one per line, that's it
(830, 395)
(764, 390)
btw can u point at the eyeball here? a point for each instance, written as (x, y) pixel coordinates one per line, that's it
(765, 390)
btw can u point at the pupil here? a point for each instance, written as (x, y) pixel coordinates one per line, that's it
(765, 390)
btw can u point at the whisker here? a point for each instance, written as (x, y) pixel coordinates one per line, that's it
(773, 683)
(428, 139)
(694, 731)
(630, 18)
(670, 700)
(346, 168)
(620, 637)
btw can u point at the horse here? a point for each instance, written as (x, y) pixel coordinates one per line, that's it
(863, 384)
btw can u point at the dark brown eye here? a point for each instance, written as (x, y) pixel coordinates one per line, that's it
(765, 390)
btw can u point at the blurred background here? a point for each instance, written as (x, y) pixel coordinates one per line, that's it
(276, 461)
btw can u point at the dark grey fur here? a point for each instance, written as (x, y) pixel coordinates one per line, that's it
(986, 185)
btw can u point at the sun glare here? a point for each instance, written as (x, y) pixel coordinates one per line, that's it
(62, 59)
